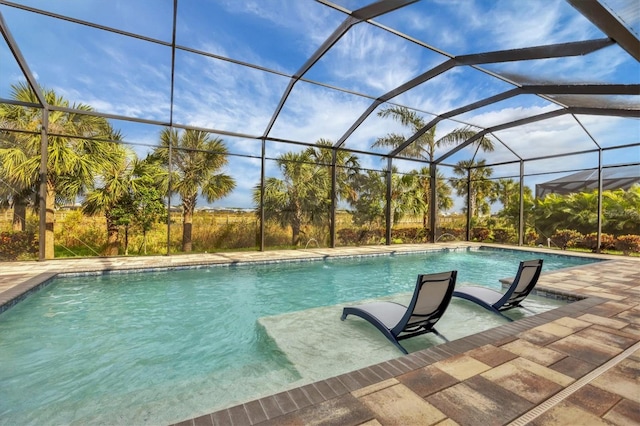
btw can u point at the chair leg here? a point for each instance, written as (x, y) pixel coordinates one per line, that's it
(399, 346)
(439, 335)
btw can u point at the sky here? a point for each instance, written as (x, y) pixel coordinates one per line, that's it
(123, 75)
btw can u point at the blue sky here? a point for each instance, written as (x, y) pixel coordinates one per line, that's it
(121, 75)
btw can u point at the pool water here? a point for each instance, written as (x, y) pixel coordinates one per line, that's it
(158, 347)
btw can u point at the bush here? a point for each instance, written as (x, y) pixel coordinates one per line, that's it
(480, 233)
(13, 245)
(531, 237)
(413, 235)
(628, 244)
(565, 238)
(590, 241)
(458, 234)
(371, 236)
(504, 235)
(354, 236)
(347, 236)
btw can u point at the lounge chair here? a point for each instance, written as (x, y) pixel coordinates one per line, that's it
(397, 322)
(523, 283)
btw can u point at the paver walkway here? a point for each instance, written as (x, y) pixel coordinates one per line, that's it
(578, 364)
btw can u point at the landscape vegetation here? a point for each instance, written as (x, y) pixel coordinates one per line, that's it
(104, 199)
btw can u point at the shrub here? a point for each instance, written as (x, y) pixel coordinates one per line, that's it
(354, 236)
(347, 236)
(414, 235)
(531, 237)
(371, 236)
(480, 233)
(504, 235)
(590, 241)
(13, 245)
(628, 244)
(565, 238)
(458, 234)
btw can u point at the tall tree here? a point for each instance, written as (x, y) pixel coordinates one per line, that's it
(303, 195)
(298, 196)
(347, 167)
(197, 159)
(114, 192)
(507, 193)
(443, 191)
(13, 193)
(425, 146)
(369, 204)
(74, 151)
(149, 208)
(406, 197)
(480, 188)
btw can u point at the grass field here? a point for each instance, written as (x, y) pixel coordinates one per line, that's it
(79, 235)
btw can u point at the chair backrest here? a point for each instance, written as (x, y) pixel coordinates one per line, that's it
(430, 299)
(523, 283)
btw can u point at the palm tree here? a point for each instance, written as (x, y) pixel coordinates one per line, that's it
(296, 198)
(406, 197)
(347, 167)
(582, 209)
(480, 187)
(504, 191)
(196, 161)
(115, 191)
(549, 214)
(621, 210)
(73, 153)
(507, 192)
(443, 190)
(303, 195)
(424, 147)
(13, 194)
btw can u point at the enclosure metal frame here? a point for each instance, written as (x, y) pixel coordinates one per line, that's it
(591, 9)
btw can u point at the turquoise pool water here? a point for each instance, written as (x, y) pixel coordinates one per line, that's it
(158, 347)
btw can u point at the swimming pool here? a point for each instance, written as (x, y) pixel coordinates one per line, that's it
(158, 347)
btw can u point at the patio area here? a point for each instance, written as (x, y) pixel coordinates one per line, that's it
(578, 364)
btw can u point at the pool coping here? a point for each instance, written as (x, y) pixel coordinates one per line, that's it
(342, 396)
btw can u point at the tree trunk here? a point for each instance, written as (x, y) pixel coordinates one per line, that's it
(112, 238)
(427, 202)
(473, 208)
(19, 215)
(49, 251)
(126, 240)
(144, 240)
(296, 225)
(186, 229)
(295, 234)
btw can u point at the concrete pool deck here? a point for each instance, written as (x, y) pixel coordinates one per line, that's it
(578, 364)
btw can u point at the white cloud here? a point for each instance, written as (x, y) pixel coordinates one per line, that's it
(369, 58)
(312, 112)
(505, 115)
(305, 19)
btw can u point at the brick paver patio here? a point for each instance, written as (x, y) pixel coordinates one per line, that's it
(578, 364)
